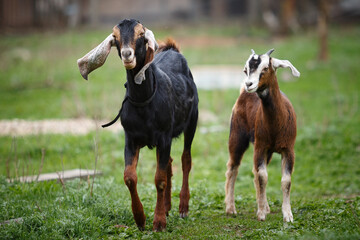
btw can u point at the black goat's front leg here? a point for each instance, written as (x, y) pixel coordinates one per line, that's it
(130, 178)
(161, 178)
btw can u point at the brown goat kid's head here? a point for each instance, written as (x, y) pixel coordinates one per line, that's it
(260, 68)
(136, 46)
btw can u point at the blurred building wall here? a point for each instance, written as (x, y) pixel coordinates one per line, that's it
(14, 13)
(49, 14)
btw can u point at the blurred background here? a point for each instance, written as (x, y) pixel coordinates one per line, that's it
(279, 16)
(282, 17)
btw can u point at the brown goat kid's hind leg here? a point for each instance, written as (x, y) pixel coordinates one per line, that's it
(130, 178)
(238, 143)
(168, 187)
(287, 165)
(231, 174)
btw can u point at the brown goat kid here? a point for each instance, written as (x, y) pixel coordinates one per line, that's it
(264, 116)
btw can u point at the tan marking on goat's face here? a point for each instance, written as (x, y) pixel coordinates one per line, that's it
(116, 34)
(138, 32)
(128, 46)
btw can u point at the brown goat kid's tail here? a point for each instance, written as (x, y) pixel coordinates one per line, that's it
(167, 45)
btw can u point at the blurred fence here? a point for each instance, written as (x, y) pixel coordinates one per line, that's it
(277, 15)
(22, 14)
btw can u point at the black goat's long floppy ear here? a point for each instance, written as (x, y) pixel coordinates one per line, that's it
(96, 57)
(152, 46)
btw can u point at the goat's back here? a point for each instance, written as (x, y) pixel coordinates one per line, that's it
(176, 82)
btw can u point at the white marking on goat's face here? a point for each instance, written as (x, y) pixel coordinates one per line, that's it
(255, 68)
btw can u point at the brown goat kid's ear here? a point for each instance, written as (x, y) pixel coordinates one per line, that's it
(96, 57)
(277, 63)
(152, 46)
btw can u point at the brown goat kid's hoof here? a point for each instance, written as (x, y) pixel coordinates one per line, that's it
(184, 214)
(231, 210)
(261, 215)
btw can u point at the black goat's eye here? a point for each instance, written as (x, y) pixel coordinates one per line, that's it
(245, 71)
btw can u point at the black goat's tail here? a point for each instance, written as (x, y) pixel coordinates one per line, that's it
(167, 45)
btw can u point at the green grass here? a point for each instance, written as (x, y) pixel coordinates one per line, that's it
(39, 79)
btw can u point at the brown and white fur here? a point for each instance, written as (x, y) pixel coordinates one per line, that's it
(264, 116)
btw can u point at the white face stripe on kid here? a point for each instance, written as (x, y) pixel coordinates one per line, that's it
(257, 64)
(253, 69)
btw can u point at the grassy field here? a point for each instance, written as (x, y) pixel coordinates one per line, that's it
(39, 79)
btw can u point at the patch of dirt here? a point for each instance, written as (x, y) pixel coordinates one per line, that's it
(81, 126)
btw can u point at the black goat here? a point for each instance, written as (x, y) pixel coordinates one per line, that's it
(161, 102)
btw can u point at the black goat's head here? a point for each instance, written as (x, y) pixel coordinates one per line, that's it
(131, 38)
(136, 47)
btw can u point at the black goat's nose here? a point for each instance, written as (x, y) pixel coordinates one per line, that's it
(248, 84)
(126, 53)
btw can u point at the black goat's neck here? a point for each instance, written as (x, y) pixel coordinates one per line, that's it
(140, 92)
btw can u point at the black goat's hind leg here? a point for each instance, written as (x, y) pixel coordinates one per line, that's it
(168, 187)
(186, 165)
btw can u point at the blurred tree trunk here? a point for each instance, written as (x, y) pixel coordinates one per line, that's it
(218, 10)
(323, 30)
(287, 15)
(94, 15)
(254, 15)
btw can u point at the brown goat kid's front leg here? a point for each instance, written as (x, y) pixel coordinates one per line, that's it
(161, 177)
(260, 181)
(130, 178)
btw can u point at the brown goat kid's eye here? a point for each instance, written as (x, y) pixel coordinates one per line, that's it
(265, 69)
